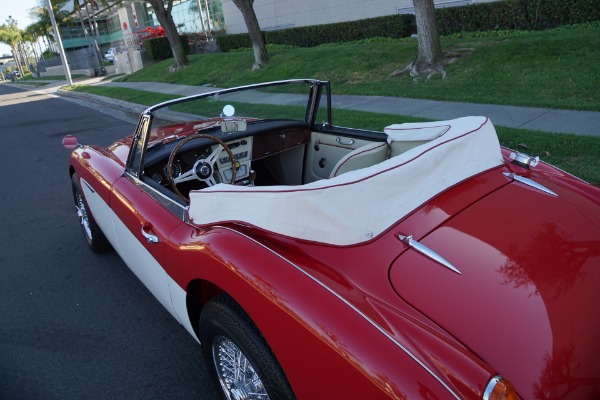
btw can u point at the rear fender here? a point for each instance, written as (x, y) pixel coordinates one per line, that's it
(305, 324)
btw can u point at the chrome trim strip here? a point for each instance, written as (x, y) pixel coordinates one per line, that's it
(360, 313)
(88, 185)
(565, 172)
(529, 182)
(151, 109)
(173, 206)
(427, 252)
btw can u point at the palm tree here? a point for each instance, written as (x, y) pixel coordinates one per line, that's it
(45, 24)
(10, 34)
(36, 31)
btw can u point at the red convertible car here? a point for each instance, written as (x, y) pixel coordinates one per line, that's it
(313, 261)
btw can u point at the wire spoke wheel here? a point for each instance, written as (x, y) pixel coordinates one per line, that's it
(236, 374)
(91, 231)
(83, 217)
(237, 356)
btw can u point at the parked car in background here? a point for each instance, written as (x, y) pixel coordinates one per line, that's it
(315, 261)
(13, 75)
(109, 55)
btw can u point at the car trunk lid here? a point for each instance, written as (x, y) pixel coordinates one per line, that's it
(529, 266)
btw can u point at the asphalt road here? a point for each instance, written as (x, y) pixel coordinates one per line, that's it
(73, 324)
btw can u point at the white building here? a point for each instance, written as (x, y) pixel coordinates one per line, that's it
(280, 14)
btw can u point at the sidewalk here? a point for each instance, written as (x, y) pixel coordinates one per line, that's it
(541, 119)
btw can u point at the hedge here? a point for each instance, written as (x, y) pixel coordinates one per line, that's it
(394, 26)
(498, 15)
(516, 15)
(159, 48)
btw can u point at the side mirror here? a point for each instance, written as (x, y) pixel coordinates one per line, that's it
(70, 142)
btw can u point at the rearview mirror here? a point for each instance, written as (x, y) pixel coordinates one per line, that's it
(233, 125)
(70, 142)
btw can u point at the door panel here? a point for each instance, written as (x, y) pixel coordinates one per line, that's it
(324, 151)
(142, 228)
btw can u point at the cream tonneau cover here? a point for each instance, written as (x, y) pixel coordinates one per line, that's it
(356, 206)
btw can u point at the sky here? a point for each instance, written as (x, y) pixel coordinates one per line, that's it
(19, 10)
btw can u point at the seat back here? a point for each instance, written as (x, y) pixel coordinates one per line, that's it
(362, 157)
(403, 137)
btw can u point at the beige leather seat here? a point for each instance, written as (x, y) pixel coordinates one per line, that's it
(362, 157)
(404, 137)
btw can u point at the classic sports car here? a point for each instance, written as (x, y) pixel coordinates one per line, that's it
(313, 261)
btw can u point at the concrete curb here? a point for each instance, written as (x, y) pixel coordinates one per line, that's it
(105, 101)
(128, 107)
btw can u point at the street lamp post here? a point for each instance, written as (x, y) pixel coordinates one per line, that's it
(61, 50)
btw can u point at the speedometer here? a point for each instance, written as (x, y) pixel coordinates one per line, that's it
(175, 169)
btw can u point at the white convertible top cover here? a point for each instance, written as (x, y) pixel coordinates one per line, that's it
(359, 205)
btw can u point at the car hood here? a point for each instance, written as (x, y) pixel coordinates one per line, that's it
(528, 294)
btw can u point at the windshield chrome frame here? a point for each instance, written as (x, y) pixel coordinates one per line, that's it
(313, 82)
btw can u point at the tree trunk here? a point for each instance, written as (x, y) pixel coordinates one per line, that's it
(429, 54)
(15, 53)
(94, 49)
(24, 57)
(256, 36)
(94, 28)
(166, 21)
(430, 49)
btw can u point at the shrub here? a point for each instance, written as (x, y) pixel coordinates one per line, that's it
(392, 26)
(234, 41)
(159, 48)
(516, 15)
(498, 15)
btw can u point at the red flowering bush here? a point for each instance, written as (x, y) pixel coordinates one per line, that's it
(151, 33)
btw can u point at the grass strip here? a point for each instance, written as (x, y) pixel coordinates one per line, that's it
(576, 154)
(555, 68)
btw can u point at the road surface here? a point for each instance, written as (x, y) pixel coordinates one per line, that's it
(73, 324)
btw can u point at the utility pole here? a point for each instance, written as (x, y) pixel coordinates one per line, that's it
(61, 50)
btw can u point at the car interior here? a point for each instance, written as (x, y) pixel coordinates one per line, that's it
(267, 153)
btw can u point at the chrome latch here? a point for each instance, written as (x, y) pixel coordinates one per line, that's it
(524, 160)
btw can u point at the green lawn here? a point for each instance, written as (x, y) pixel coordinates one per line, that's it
(573, 153)
(555, 68)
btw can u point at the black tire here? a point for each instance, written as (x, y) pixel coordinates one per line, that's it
(226, 329)
(91, 231)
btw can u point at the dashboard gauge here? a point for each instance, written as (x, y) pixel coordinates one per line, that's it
(157, 178)
(175, 168)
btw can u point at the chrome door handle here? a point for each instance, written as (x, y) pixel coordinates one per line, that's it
(340, 141)
(150, 238)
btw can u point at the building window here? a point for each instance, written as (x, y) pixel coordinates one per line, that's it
(186, 16)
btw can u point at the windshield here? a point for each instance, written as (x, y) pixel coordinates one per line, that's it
(283, 100)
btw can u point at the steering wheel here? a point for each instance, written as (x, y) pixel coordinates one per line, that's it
(204, 168)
